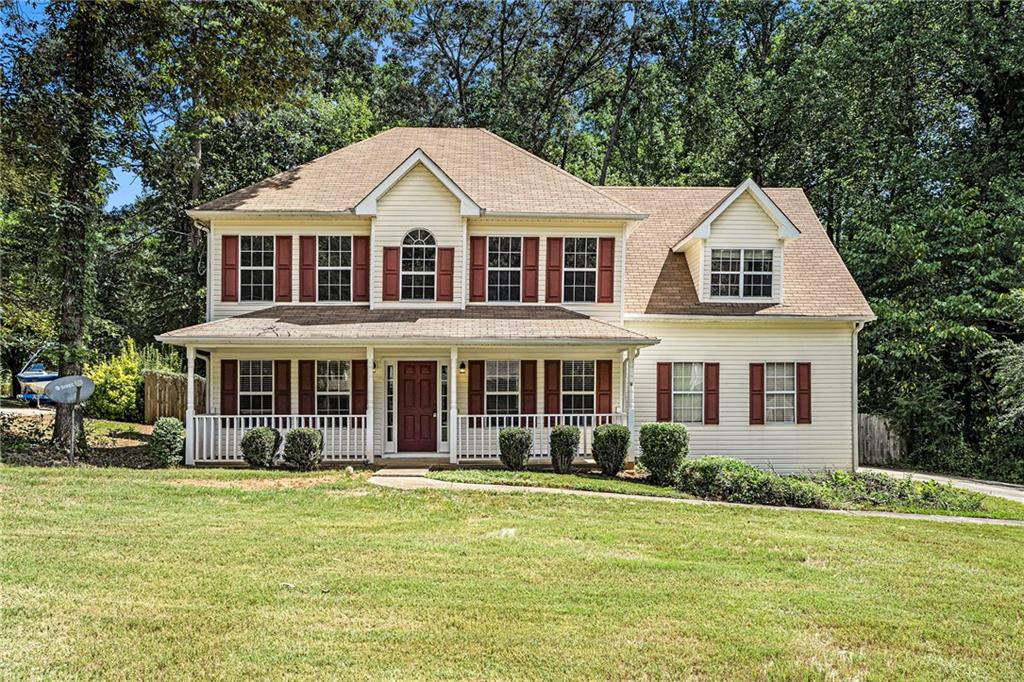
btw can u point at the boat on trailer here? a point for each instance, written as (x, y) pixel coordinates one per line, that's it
(33, 379)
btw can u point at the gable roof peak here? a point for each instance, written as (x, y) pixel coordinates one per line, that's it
(702, 230)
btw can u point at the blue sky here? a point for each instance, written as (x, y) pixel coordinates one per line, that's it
(129, 186)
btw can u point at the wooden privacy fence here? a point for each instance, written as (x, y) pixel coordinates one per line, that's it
(165, 395)
(878, 442)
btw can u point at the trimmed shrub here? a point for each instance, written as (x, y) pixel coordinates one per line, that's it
(732, 480)
(663, 445)
(565, 443)
(514, 445)
(611, 445)
(260, 445)
(167, 444)
(303, 449)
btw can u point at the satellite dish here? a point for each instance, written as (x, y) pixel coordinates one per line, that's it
(70, 390)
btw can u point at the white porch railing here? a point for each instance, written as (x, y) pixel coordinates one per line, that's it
(218, 438)
(478, 434)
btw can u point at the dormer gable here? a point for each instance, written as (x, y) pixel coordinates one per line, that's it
(368, 205)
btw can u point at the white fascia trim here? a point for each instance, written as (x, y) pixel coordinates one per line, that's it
(445, 342)
(786, 228)
(644, 317)
(368, 205)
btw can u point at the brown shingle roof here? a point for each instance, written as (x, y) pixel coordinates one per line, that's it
(658, 281)
(496, 174)
(479, 324)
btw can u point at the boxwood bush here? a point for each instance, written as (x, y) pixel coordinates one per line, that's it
(260, 445)
(514, 445)
(611, 445)
(663, 445)
(565, 443)
(303, 449)
(167, 445)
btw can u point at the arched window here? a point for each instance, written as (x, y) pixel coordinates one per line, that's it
(419, 265)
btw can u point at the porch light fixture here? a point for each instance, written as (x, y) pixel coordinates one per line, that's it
(374, 366)
(462, 367)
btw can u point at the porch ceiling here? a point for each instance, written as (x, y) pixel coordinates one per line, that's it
(475, 325)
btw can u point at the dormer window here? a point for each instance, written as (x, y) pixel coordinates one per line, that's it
(419, 266)
(741, 273)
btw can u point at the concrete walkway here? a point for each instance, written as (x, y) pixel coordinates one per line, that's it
(415, 479)
(1007, 491)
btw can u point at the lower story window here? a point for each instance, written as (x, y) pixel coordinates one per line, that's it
(577, 387)
(502, 386)
(333, 387)
(688, 392)
(255, 387)
(780, 392)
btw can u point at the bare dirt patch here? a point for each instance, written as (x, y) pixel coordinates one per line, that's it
(283, 483)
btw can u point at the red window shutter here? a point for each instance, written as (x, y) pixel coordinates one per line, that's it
(229, 386)
(531, 256)
(756, 393)
(445, 273)
(554, 278)
(476, 387)
(307, 269)
(307, 387)
(528, 387)
(606, 270)
(711, 370)
(358, 387)
(283, 269)
(360, 269)
(664, 392)
(552, 386)
(603, 371)
(282, 386)
(803, 393)
(477, 269)
(392, 261)
(229, 268)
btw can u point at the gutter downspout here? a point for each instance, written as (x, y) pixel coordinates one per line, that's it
(854, 366)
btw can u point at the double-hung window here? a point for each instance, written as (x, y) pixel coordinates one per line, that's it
(504, 268)
(333, 387)
(579, 270)
(255, 387)
(688, 392)
(501, 385)
(334, 268)
(419, 266)
(577, 387)
(780, 392)
(256, 268)
(742, 273)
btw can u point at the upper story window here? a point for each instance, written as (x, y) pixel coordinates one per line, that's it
(334, 268)
(255, 387)
(504, 268)
(257, 268)
(579, 270)
(577, 387)
(745, 273)
(688, 392)
(780, 392)
(419, 265)
(502, 386)
(333, 387)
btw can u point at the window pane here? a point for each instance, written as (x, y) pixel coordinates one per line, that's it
(688, 408)
(780, 376)
(578, 403)
(688, 376)
(579, 279)
(256, 259)
(332, 404)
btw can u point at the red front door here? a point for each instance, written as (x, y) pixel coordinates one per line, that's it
(417, 407)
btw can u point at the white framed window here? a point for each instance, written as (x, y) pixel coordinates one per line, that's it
(578, 387)
(419, 266)
(742, 273)
(780, 392)
(256, 268)
(579, 271)
(504, 268)
(390, 407)
(333, 387)
(688, 392)
(444, 403)
(501, 386)
(255, 387)
(334, 268)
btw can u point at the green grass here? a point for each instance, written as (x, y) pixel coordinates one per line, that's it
(550, 480)
(115, 573)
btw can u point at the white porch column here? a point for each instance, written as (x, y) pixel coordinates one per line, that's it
(190, 406)
(631, 399)
(371, 433)
(453, 412)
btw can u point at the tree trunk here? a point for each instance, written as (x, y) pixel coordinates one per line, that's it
(620, 106)
(195, 189)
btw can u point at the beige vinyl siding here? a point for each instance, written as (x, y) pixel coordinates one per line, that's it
(694, 253)
(481, 227)
(826, 443)
(744, 225)
(418, 200)
(294, 227)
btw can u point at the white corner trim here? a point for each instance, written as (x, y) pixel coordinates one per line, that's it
(368, 205)
(786, 228)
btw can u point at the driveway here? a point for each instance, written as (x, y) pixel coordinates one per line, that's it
(1008, 491)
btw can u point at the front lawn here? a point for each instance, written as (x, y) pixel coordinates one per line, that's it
(180, 574)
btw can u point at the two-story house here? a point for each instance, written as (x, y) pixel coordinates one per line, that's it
(412, 294)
